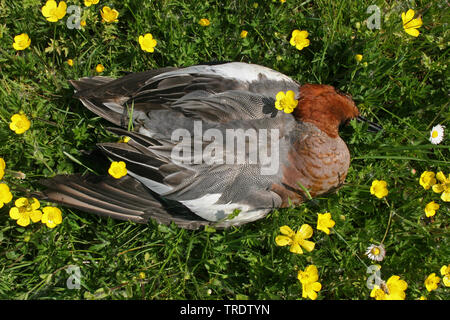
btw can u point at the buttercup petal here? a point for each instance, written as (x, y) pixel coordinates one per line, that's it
(48, 7)
(305, 232)
(288, 110)
(290, 95)
(35, 203)
(414, 23)
(440, 176)
(316, 286)
(412, 32)
(443, 270)
(21, 202)
(295, 248)
(286, 230)
(14, 213)
(36, 215)
(312, 271)
(438, 188)
(445, 196)
(278, 105)
(283, 241)
(61, 10)
(308, 245)
(295, 33)
(408, 16)
(23, 221)
(280, 95)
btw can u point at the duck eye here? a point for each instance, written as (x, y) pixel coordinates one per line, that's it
(344, 124)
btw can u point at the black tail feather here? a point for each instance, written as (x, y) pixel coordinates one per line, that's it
(124, 199)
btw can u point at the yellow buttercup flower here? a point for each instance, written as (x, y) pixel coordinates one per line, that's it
(70, 62)
(26, 209)
(393, 289)
(430, 209)
(308, 279)
(445, 272)
(124, 139)
(109, 15)
(379, 188)
(117, 169)
(243, 34)
(53, 12)
(21, 41)
(296, 240)
(51, 216)
(5, 194)
(443, 186)
(427, 179)
(432, 281)
(204, 22)
(89, 3)
(286, 101)
(324, 222)
(147, 42)
(396, 288)
(410, 25)
(83, 23)
(378, 293)
(358, 57)
(99, 68)
(299, 39)
(19, 123)
(2, 167)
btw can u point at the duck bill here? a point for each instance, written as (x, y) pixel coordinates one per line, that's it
(373, 127)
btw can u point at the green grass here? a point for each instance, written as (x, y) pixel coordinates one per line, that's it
(402, 82)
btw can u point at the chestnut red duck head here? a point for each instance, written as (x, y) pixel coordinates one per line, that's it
(324, 107)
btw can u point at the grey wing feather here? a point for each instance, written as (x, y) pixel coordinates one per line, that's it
(161, 101)
(124, 199)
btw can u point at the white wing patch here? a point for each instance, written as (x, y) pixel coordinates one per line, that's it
(207, 208)
(157, 187)
(241, 71)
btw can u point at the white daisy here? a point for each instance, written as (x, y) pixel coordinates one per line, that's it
(437, 134)
(376, 252)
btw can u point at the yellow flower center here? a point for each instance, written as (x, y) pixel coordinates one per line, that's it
(434, 134)
(375, 251)
(285, 103)
(299, 39)
(20, 124)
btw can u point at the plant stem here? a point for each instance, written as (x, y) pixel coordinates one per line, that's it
(389, 221)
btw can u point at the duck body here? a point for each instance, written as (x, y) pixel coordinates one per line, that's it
(206, 140)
